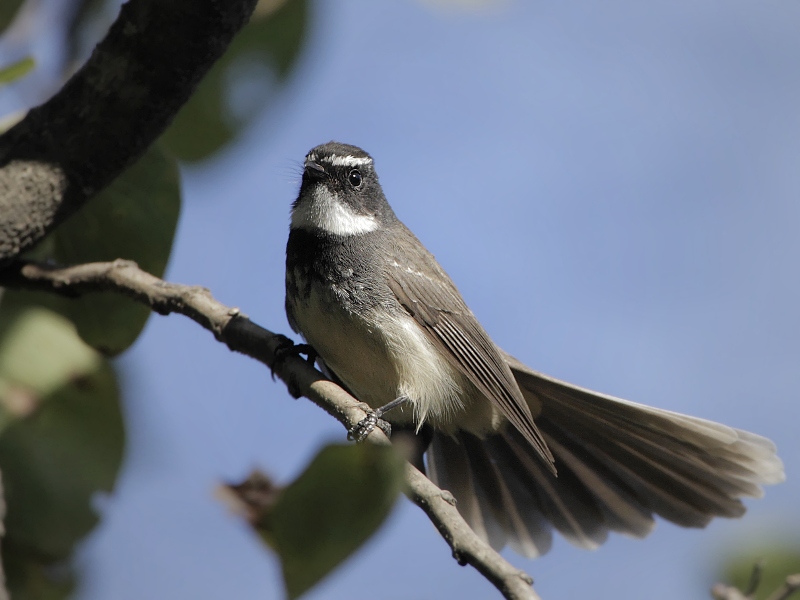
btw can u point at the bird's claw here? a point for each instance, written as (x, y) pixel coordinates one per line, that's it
(287, 348)
(365, 426)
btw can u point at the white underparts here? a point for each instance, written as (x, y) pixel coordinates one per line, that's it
(423, 374)
(323, 210)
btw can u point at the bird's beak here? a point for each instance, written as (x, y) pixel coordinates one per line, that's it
(314, 170)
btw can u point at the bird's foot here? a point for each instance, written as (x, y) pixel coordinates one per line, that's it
(287, 348)
(365, 426)
(373, 419)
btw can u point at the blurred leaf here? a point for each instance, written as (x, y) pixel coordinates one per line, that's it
(8, 11)
(29, 580)
(134, 218)
(778, 562)
(54, 461)
(242, 82)
(326, 514)
(16, 71)
(331, 510)
(62, 443)
(39, 354)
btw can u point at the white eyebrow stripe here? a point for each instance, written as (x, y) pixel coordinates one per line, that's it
(337, 160)
(324, 211)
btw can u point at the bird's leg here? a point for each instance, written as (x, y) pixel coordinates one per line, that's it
(360, 432)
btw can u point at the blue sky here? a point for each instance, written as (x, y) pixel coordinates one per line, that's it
(615, 188)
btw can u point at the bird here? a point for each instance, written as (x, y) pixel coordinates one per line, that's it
(523, 453)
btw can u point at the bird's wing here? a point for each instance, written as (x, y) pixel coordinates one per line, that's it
(428, 294)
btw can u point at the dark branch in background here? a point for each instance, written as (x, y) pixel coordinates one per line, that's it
(109, 112)
(242, 335)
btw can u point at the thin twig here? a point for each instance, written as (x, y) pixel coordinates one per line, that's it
(789, 587)
(720, 591)
(240, 334)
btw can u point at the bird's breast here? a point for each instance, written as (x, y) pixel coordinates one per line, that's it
(350, 343)
(365, 336)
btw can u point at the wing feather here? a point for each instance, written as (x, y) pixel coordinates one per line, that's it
(428, 294)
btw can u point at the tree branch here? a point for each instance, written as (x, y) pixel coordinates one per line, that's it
(789, 587)
(109, 112)
(240, 334)
(468, 548)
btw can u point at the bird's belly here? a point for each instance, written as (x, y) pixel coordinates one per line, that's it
(350, 346)
(384, 355)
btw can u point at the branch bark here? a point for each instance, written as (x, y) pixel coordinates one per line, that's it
(234, 329)
(109, 112)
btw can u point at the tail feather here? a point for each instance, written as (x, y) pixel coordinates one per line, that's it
(661, 487)
(686, 469)
(621, 507)
(575, 515)
(513, 507)
(448, 466)
(618, 462)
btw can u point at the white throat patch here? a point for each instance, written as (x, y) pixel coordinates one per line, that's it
(324, 211)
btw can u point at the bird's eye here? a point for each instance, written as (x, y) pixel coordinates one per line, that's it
(354, 178)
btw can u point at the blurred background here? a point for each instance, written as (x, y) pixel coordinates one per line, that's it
(615, 188)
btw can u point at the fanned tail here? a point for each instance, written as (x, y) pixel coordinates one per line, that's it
(619, 464)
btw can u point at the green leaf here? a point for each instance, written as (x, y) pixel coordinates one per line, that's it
(16, 70)
(39, 354)
(331, 510)
(54, 461)
(61, 443)
(28, 579)
(134, 218)
(259, 58)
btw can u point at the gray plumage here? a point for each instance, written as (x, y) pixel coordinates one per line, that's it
(388, 322)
